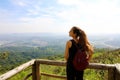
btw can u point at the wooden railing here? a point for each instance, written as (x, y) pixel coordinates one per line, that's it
(113, 69)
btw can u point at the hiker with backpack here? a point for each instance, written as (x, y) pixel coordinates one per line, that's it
(78, 53)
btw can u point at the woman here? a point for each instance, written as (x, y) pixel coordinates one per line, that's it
(79, 37)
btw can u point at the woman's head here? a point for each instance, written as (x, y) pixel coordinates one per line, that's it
(79, 34)
(75, 32)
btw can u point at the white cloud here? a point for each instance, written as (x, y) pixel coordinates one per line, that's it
(32, 12)
(100, 16)
(69, 2)
(19, 3)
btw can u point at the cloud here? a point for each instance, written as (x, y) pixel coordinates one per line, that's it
(5, 16)
(69, 2)
(21, 3)
(36, 15)
(97, 15)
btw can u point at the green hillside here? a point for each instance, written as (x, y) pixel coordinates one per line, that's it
(106, 56)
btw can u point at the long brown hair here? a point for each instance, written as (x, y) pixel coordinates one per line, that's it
(82, 39)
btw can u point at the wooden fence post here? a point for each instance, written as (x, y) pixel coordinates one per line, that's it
(117, 72)
(35, 71)
(111, 74)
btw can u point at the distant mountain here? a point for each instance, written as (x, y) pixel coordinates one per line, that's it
(48, 39)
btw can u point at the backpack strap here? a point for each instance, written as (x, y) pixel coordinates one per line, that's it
(78, 46)
(75, 44)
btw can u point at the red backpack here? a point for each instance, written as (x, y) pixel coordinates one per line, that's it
(80, 61)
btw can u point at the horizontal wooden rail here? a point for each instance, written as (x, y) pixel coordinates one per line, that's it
(16, 70)
(63, 63)
(101, 66)
(53, 75)
(50, 62)
(113, 69)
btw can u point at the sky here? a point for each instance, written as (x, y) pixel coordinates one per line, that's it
(58, 16)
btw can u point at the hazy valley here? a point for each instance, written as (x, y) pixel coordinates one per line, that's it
(42, 40)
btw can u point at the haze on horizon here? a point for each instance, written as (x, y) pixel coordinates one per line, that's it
(58, 16)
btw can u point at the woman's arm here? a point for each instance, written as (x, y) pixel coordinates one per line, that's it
(66, 54)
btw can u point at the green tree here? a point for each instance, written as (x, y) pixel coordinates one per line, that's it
(4, 55)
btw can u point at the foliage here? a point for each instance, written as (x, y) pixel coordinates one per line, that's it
(10, 57)
(4, 55)
(16, 57)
